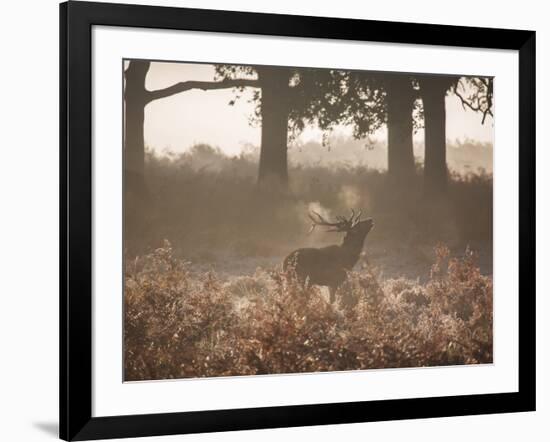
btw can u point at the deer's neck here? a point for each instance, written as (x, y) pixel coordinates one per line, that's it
(352, 247)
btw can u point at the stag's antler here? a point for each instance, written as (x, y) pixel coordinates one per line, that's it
(342, 225)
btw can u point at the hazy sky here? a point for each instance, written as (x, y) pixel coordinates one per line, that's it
(195, 116)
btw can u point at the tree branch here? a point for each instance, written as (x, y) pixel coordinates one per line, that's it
(203, 85)
(466, 103)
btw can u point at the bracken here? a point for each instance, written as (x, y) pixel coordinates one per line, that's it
(180, 323)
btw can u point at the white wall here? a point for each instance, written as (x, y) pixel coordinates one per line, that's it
(29, 238)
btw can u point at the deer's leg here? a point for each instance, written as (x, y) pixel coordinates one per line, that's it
(332, 292)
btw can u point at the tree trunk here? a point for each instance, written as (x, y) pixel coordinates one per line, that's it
(433, 92)
(135, 96)
(400, 100)
(274, 109)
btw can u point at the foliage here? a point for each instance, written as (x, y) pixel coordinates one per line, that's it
(326, 98)
(181, 323)
(320, 97)
(338, 97)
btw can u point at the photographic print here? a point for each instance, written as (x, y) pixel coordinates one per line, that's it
(282, 220)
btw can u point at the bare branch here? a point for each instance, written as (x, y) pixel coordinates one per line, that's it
(465, 102)
(202, 85)
(481, 101)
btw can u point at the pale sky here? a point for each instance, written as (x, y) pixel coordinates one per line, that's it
(176, 123)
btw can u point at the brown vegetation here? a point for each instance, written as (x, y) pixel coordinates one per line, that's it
(180, 323)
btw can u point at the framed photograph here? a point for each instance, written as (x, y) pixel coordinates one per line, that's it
(273, 220)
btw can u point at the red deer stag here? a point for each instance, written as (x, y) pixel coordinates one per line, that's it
(328, 265)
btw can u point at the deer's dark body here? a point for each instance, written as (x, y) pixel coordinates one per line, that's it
(328, 266)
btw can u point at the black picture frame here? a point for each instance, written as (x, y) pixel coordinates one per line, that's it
(76, 21)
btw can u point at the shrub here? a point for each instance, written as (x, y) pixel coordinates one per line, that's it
(183, 323)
